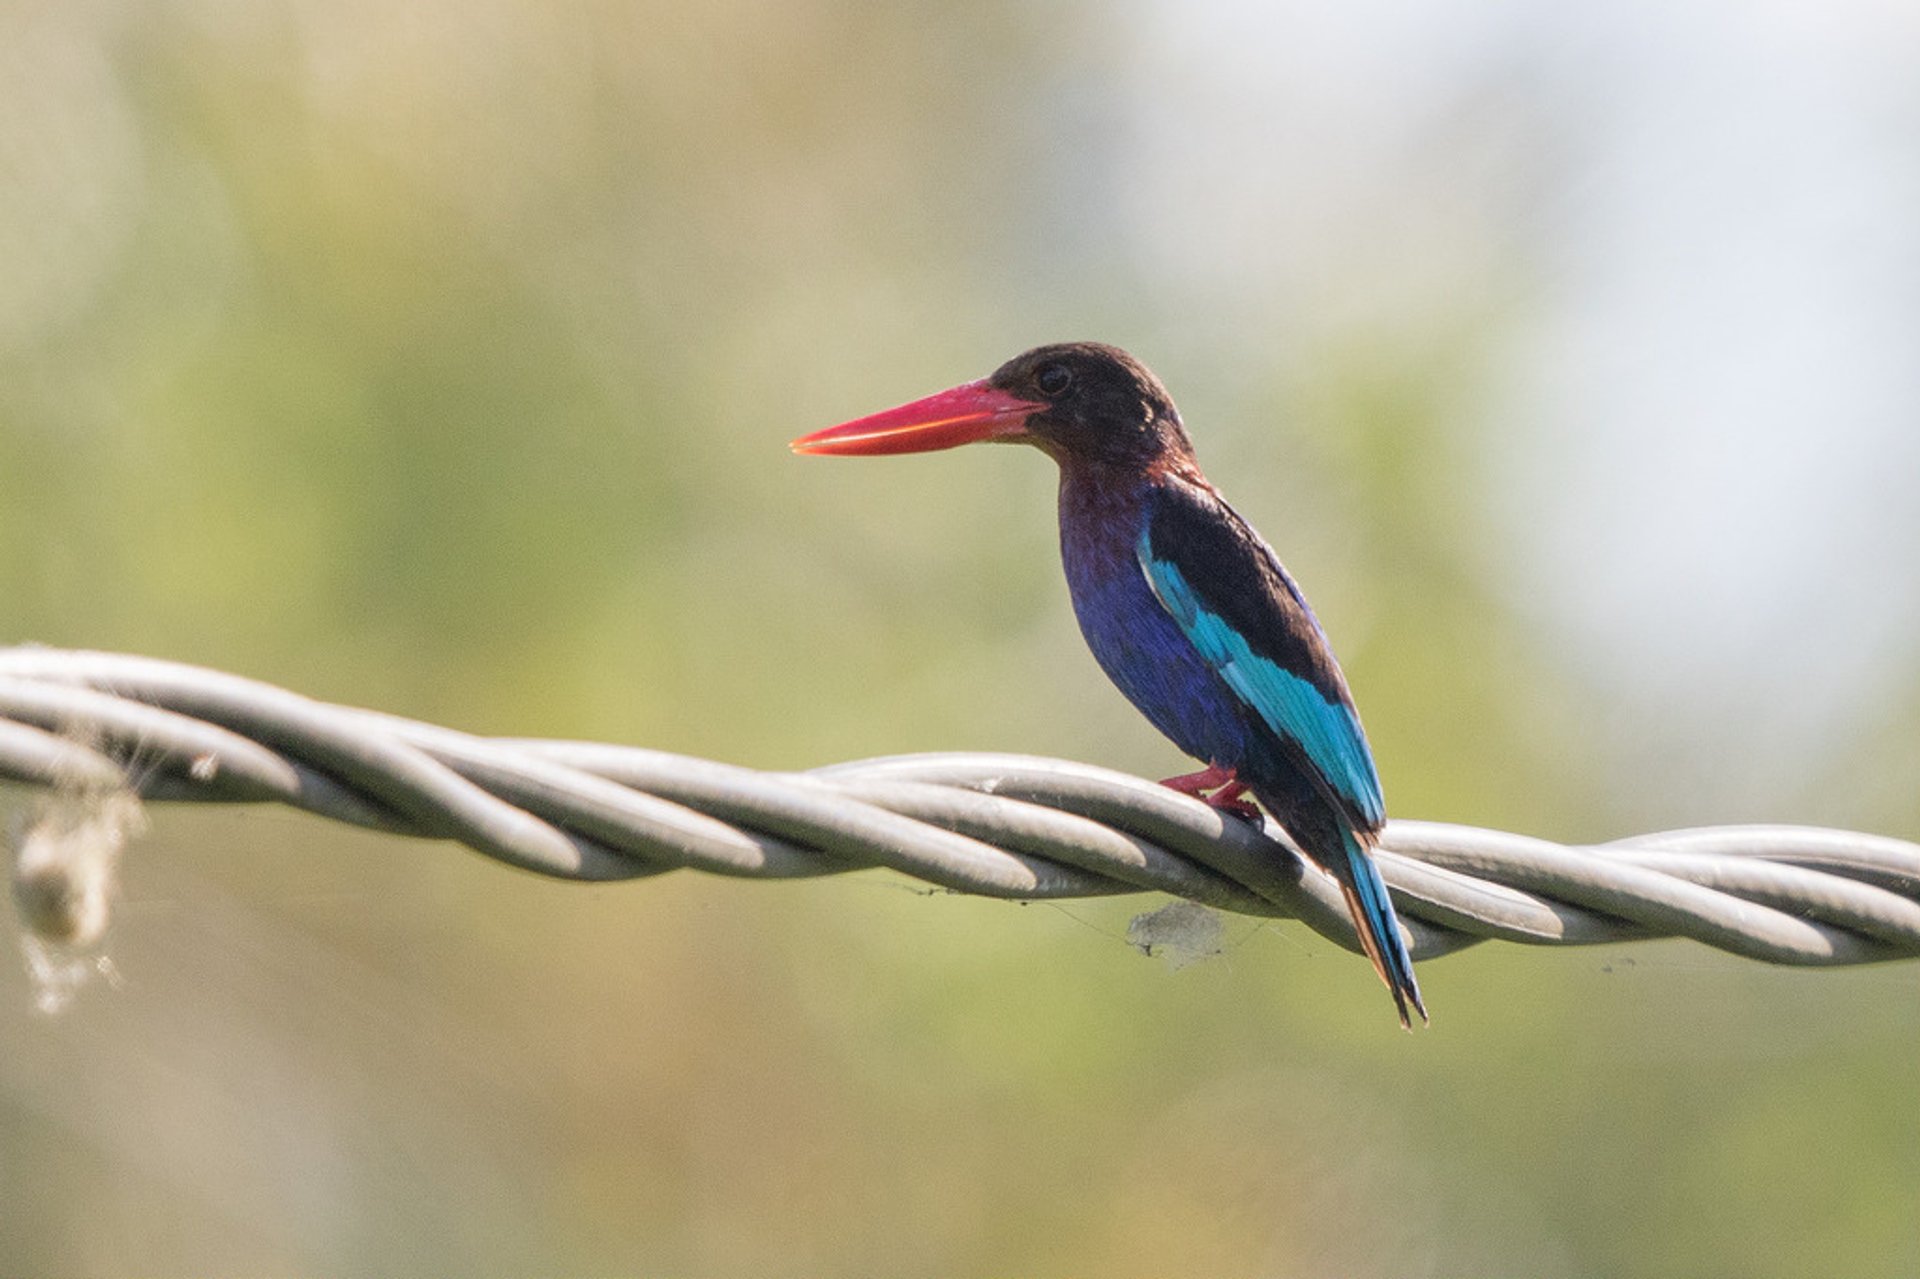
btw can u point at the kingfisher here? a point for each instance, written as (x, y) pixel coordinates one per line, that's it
(1186, 608)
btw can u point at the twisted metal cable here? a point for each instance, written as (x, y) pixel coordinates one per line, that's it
(1005, 826)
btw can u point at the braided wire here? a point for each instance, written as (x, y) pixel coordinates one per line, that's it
(1006, 826)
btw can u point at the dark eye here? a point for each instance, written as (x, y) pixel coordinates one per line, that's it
(1053, 378)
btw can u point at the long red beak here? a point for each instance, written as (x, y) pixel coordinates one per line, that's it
(964, 415)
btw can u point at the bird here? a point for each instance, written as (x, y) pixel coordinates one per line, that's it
(1185, 607)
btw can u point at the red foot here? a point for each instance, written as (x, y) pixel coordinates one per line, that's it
(1225, 787)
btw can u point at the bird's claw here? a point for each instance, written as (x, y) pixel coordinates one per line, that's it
(1245, 809)
(1217, 788)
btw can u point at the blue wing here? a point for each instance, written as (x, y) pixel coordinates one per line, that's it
(1230, 597)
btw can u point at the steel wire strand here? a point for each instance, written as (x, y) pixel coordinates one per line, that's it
(1006, 826)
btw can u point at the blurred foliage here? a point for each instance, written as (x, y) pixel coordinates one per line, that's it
(441, 358)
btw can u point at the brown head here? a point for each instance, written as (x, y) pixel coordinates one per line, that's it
(1078, 401)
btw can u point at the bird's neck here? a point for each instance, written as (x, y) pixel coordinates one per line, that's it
(1094, 491)
(1103, 506)
(1095, 495)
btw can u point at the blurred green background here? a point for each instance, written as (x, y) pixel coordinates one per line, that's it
(440, 357)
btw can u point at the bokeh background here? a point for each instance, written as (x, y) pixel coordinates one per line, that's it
(441, 357)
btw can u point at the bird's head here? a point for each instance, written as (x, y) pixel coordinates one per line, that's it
(1079, 401)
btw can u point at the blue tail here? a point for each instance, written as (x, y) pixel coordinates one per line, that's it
(1379, 929)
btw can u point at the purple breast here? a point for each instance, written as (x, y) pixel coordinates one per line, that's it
(1132, 637)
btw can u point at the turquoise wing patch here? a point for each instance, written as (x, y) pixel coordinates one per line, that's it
(1328, 733)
